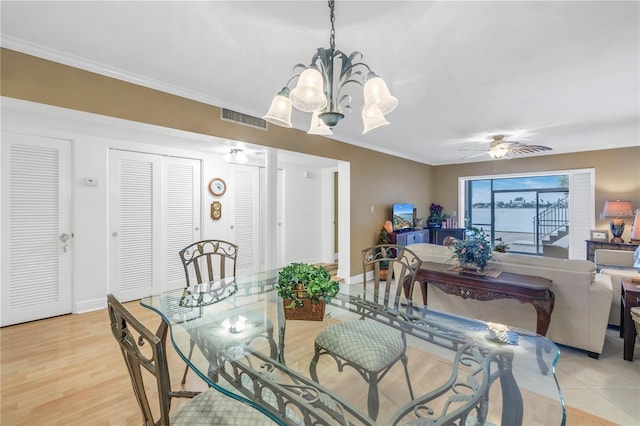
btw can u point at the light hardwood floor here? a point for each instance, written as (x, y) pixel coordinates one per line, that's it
(68, 371)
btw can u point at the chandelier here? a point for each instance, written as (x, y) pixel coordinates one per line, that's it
(319, 90)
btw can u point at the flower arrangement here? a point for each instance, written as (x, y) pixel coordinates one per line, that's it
(476, 250)
(436, 214)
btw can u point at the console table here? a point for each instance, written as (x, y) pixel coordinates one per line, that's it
(592, 246)
(525, 288)
(629, 297)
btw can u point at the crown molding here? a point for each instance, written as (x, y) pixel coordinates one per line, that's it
(64, 58)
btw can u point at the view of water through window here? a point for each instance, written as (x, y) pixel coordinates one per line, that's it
(524, 212)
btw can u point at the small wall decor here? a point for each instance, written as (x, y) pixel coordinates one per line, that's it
(217, 187)
(216, 210)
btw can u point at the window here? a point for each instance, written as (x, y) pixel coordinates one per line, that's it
(527, 212)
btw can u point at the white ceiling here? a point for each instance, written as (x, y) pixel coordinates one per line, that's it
(564, 74)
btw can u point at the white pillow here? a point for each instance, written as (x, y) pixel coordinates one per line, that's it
(636, 258)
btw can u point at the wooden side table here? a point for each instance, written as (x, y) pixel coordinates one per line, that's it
(629, 297)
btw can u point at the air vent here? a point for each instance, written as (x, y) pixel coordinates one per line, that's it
(244, 119)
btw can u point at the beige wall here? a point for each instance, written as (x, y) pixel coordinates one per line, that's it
(617, 176)
(377, 179)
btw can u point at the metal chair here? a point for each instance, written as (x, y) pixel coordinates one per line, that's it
(144, 350)
(366, 345)
(208, 261)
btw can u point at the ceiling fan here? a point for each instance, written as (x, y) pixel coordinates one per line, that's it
(500, 148)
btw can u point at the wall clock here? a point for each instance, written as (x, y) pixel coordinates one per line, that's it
(217, 187)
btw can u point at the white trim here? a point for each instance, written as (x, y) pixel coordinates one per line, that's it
(89, 305)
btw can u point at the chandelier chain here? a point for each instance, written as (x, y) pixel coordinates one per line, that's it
(332, 38)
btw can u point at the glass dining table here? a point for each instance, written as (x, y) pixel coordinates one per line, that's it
(234, 336)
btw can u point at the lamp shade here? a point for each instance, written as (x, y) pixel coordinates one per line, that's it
(280, 111)
(635, 231)
(374, 120)
(617, 209)
(308, 95)
(377, 92)
(318, 127)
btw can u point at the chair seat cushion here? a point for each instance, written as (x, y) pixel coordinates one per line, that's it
(211, 407)
(367, 343)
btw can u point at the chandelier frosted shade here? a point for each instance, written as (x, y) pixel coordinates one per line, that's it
(318, 127)
(280, 110)
(308, 95)
(376, 92)
(373, 119)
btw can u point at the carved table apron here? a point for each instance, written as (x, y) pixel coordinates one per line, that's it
(525, 288)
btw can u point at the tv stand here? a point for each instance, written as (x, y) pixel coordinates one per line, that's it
(409, 236)
(427, 235)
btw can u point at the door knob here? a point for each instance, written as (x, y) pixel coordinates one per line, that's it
(114, 234)
(64, 237)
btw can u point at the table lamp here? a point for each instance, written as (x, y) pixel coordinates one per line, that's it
(617, 210)
(635, 231)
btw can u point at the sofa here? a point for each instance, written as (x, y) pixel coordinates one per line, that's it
(617, 264)
(582, 297)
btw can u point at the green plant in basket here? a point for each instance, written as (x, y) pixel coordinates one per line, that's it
(476, 250)
(299, 281)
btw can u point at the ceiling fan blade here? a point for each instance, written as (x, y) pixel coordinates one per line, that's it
(527, 149)
(474, 155)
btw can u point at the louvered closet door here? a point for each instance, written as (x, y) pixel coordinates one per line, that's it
(245, 228)
(36, 227)
(181, 215)
(154, 213)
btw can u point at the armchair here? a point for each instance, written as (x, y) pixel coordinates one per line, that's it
(617, 264)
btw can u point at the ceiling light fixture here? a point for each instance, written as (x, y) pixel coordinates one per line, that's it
(235, 155)
(315, 91)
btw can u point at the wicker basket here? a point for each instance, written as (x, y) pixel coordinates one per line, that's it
(309, 311)
(635, 316)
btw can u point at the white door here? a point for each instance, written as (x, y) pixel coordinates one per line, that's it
(245, 225)
(154, 212)
(36, 227)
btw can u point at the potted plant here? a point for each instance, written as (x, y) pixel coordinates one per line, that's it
(436, 216)
(305, 289)
(474, 252)
(383, 238)
(500, 246)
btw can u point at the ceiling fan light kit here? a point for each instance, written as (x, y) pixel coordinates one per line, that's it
(499, 148)
(317, 92)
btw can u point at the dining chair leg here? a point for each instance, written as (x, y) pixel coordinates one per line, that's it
(373, 399)
(405, 364)
(186, 368)
(314, 365)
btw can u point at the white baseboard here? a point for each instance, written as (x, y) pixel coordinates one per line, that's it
(89, 305)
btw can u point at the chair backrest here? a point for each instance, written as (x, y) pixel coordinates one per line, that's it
(209, 260)
(402, 267)
(142, 350)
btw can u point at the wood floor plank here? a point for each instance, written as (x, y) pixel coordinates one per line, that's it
(68, 370)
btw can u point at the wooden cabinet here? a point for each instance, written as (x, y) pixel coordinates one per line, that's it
(592, 246)
(410, 237)
(437, 235)
(430, 235)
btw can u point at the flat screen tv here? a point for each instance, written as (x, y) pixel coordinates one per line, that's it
(402, 216)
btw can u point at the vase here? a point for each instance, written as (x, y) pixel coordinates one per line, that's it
(434, 225)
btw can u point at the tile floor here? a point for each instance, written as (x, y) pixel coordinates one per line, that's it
(608, 387)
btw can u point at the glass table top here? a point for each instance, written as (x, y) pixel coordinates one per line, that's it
(233, 335)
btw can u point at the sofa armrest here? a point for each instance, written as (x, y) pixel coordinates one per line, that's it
(613, 257)
(600, 297)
